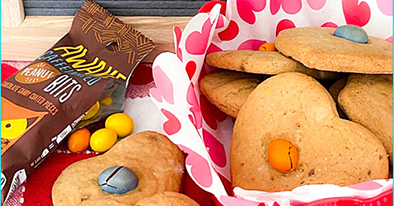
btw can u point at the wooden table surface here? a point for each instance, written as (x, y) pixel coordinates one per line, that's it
(38, 33)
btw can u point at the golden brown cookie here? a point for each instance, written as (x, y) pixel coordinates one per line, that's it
(266, 62)
(317, 47)
(167, 199)
(158, 163)
(228, 90)
(334, 90)
(296, 108)
(368, 100)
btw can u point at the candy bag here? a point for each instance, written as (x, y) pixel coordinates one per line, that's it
(52, 96)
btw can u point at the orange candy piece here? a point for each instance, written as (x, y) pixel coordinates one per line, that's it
(267, 47)
(283, 155)
(79, 140)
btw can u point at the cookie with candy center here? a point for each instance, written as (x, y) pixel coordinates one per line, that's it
(158, 165)
(317, 47)
(288, 133)
(263, 62)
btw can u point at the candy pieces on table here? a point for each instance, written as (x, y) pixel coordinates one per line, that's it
(79, 140)
(121, 123)
(103, 139)
(282, 155)
(118, 180)
(158, 163)
(167, 199)
(295, 107)
(92, 111)
(267, 47)
(352, 33)
(318, 48)
(228, 90)
(368, 100)
(269, 62)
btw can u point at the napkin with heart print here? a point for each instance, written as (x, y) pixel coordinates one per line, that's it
(204, 132)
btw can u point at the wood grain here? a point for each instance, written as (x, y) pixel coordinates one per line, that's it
(38, 33)
(12, 13)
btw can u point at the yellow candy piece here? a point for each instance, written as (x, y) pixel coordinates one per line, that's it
(283, 155)
(103, 139)
(92, 111)
(121, 123)
(106, 101)
(267, 47)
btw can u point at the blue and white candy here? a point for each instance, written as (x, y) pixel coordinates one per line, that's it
(118, 180)
(352, 33)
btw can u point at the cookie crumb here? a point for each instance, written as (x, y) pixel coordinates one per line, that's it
(312, 172)
(85, 197)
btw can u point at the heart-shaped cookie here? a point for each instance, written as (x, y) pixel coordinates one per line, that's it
(368, 100)
(228, 90)
(292, 112)
(158, 163)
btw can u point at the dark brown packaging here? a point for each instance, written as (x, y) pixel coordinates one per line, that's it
(44, 102)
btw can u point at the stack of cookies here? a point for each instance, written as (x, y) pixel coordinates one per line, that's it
(316, 109)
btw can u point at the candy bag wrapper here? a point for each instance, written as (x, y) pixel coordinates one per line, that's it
(51, 97)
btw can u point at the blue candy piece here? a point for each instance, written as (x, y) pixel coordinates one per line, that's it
(352, 33)
(118, 180)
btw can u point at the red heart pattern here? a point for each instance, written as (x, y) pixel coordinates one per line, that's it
(246, 9)
(288, 6)
(284, 24)
(211, 113)
(355, 13)
(230, 32)
(191, 67)
(216, 149)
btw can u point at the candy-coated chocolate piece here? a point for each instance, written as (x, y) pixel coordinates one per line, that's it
(118, 180)
(121, 123)
(267, 47)
(282, 155)
(352, 33)
(79, 140)
(103, 139)
(92, 111)
(106, 101)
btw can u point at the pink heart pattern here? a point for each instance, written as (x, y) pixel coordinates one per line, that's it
(172, 125)
(164, 88)
(216, 149)
(233, 201)
(355, 13)
(251, 44)
(370, 185)
(385, 6)
(246, 9)
(196, 117)
(197, 42)
(288, 6)
(200, 169)
(316, 4)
